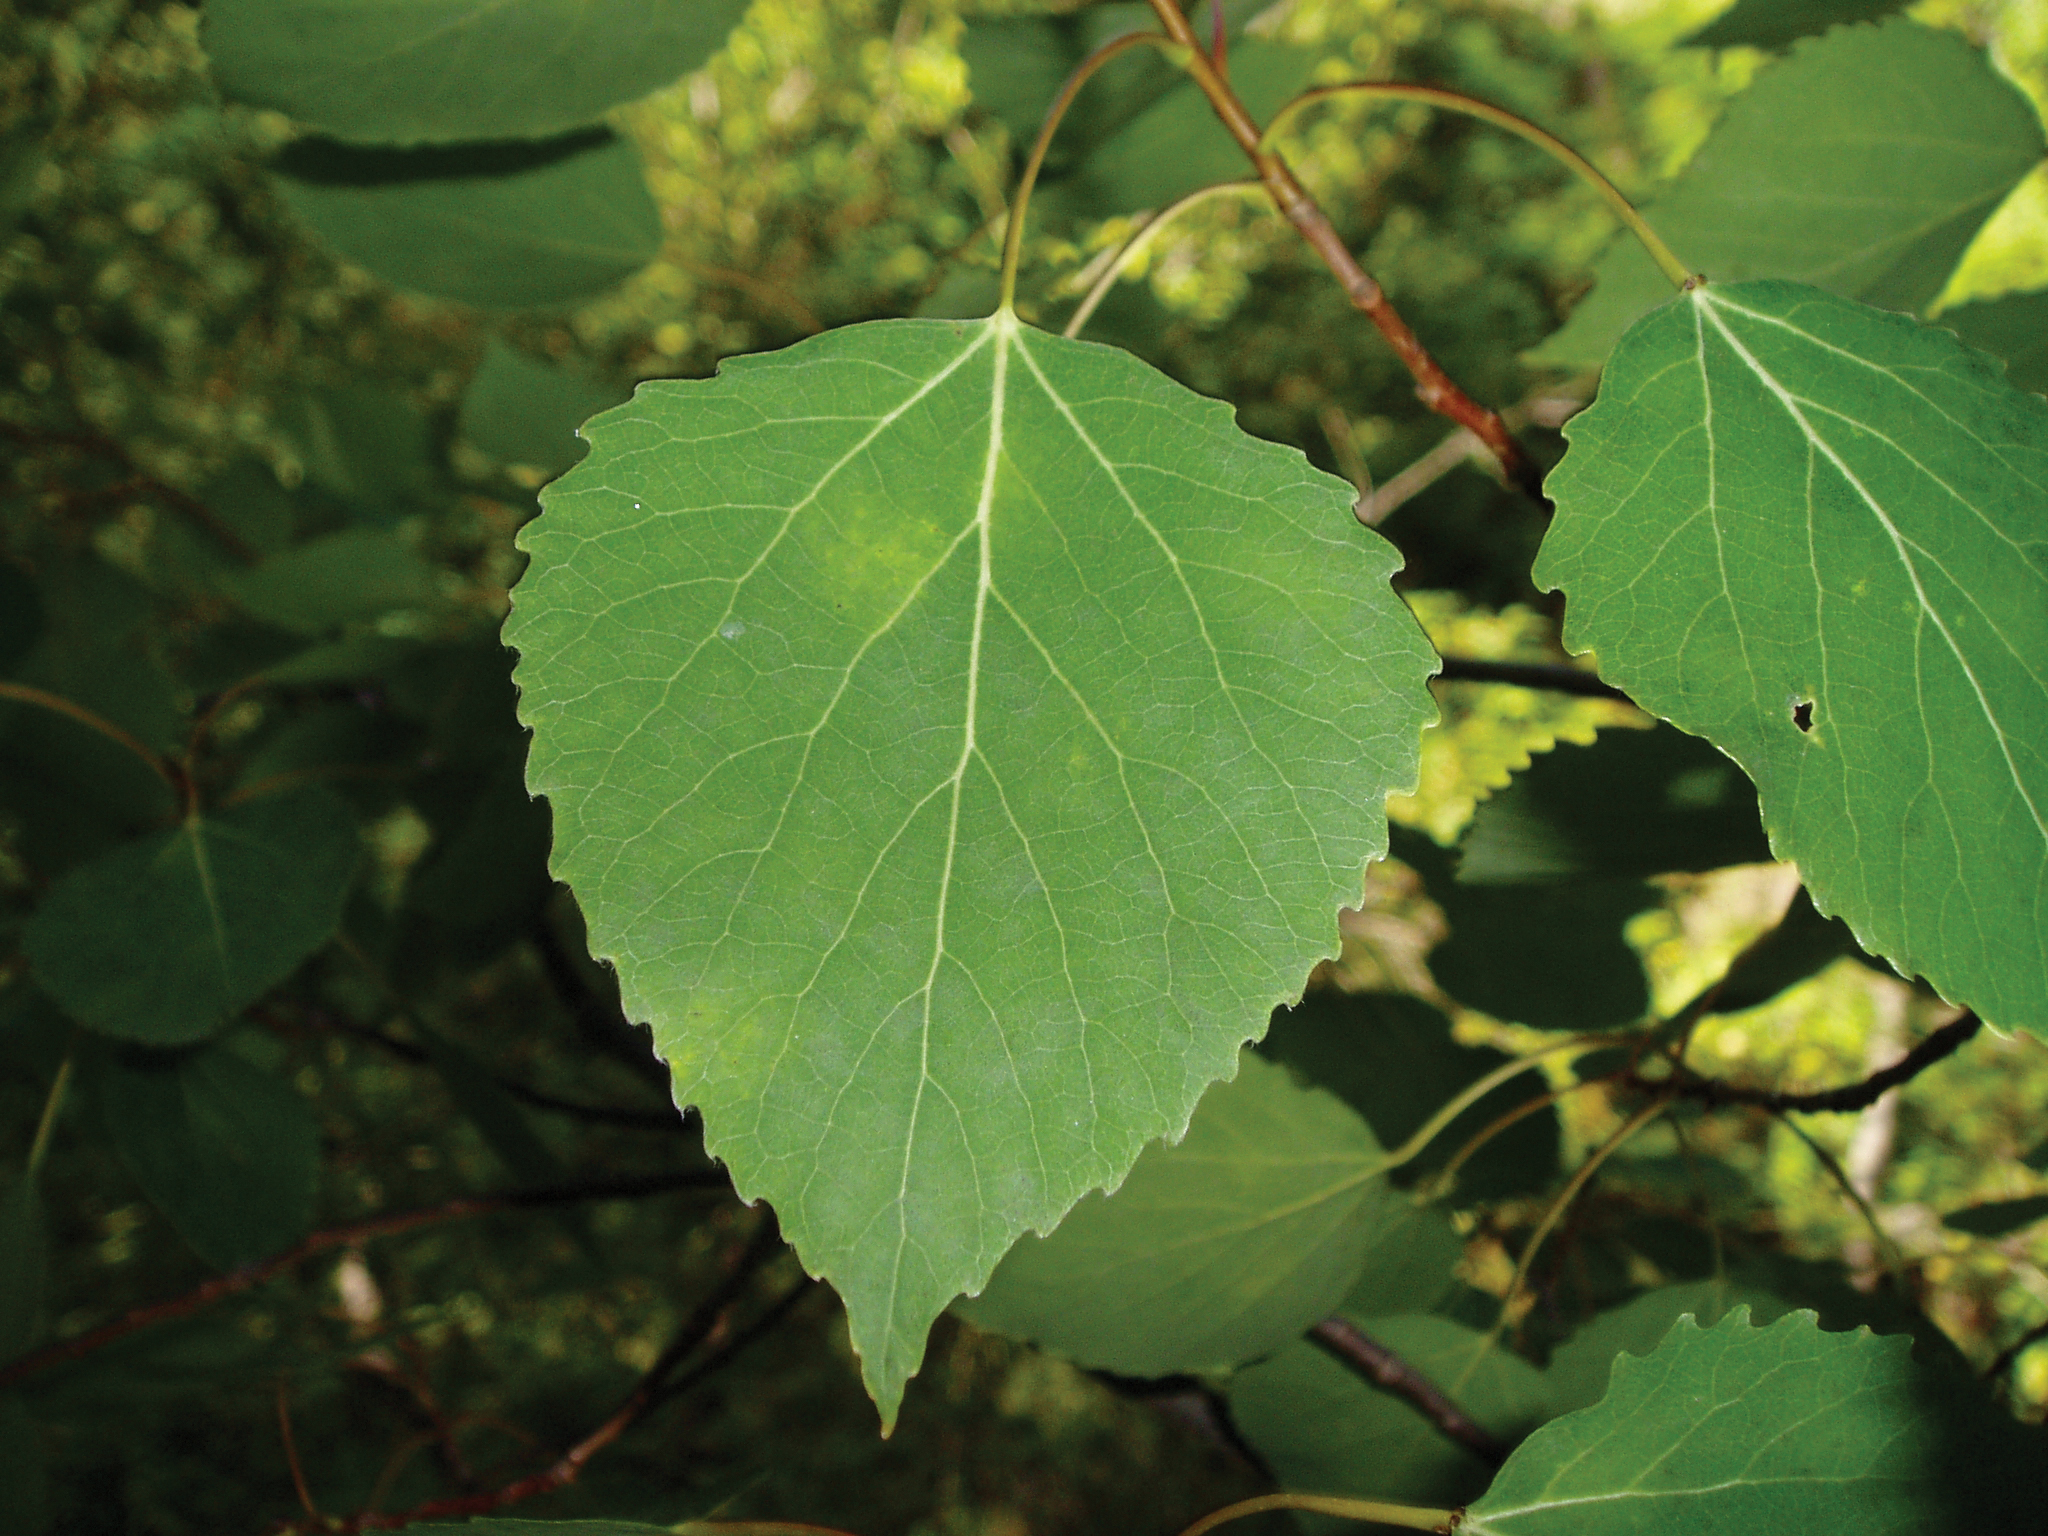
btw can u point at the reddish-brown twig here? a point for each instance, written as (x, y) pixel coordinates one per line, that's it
(1344, 1339)
(252, 1275)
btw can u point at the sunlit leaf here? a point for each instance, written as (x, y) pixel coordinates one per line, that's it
(960, 739)
(495, 225)
(228, 1152)
(1817, 535)
(165, 939)
(1213, 1252)
(448, 70)
(1863, 163)
(1738, 1428)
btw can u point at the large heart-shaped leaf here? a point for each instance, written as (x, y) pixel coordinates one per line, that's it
(440, 71)
(1817, 534)
(1863, 163)
(1214, 1251)
(1735, 1428)
(960, 739)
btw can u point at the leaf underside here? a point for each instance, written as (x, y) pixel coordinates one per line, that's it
(959, 738)
(1817, 534)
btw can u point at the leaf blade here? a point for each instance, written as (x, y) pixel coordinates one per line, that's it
(973, 618)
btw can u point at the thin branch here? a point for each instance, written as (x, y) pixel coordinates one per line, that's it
(596, 1114)
(1549, 676)
(1432, 385)
(161, 766)
(249, 1276)
(1894, 1261)
(1340, 1337)
(1850, 1097)
(291, 1450)
(708, 1318)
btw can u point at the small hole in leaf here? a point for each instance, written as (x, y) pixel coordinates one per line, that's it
(1802, 714)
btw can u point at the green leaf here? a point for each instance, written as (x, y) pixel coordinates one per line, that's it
(1800, 945)
(21, 614)
(1553, 956)
(1736, 1428)
(164, 940)
(1214, 1251)
(1408, 1266)
(1995, 1218)
(1392, 1058)
(1774, 23)
(440, 71)
(1817, 535)
(504, 1126)
(1579, 1368)
(326, 582)
(2014, 327)
(960, 738)
(24, 1266)
(520, 411)
(228, 1152)
(1863, 163)
(1325, 1429)
(503, 1527)
(1631, 804)
(500, 226)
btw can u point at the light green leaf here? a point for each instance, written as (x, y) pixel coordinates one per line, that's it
(1817, 535)
(228, 1152)
(165, 939)
(1774, 23)
(500, 226)
(443, 71)
(356, 574)
(520, 411)
(1324, 1429)
(1736, 1428)
(1863, 163)
(960, 738)
(1214, 1251)
(1579, 1368)
(2013, 326)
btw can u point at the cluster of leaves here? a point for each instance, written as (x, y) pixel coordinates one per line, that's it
(961, 740)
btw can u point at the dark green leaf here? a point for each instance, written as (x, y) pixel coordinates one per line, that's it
(1579, 1369)
(960, 738)
(1995, 1218)
(1552, 956)
(1632, 804)
(1392, 1058)
(354, 575)
(164, 940)
(1774, 23)
(497, 1118)
(1863, 163)
(228, 1152)
(24, 1264)
(437, 71)
(1817, 535)
(498, 226)
(21, 614)
(24, 1470)
(364, 447)
(1408, 1267)
(2014, 327)
(520, 411)
(1213, 1252)
(499, 1526)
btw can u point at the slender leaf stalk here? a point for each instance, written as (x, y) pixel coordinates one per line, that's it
(23, 693)
(53, 1106)
(1682, 276)
(1141, 240)
(1013, 234)
(1473, 1092)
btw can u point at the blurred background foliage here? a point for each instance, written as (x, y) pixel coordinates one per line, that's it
(231, 455)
